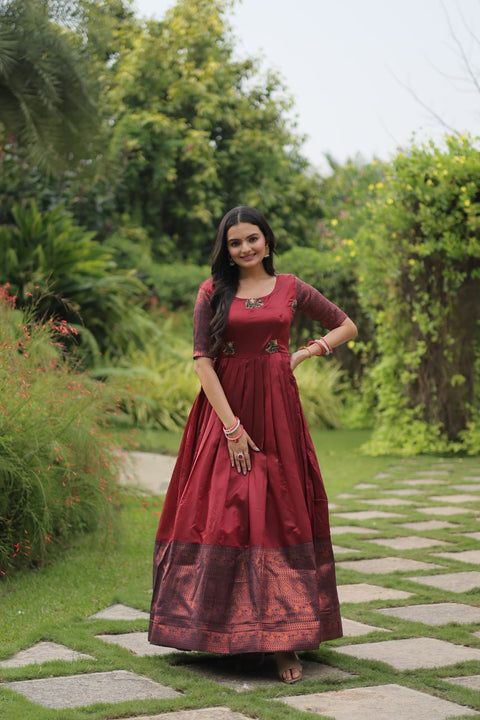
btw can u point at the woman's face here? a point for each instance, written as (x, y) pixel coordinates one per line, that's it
(246, 245)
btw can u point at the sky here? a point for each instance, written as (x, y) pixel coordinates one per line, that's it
(366, 76)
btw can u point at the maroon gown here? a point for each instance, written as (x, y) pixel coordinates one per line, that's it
(244, 563)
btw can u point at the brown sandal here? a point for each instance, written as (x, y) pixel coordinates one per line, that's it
(289, 667)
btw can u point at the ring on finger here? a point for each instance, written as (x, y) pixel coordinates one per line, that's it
(240, 456)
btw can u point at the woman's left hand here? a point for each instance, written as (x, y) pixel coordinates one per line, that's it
(298, 357)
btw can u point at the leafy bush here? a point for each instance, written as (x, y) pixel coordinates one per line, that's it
(57, 470)
(57, 267)
(319, 382)
(156, 381)
(176, 284)
(419, 278)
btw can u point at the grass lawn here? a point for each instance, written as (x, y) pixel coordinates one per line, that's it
(114, 565)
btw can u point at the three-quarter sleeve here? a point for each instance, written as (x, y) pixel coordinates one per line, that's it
(202, 316)
(312, 303)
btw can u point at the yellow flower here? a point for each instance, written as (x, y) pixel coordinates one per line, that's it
(371, 187)
(379, 185)
(334, 222)
(411, 261)
(445, 172)
(409, 187)
(351, 344)
(463, 188)
(352, 253)
(467, 203)
(389, 201)
(338, 258)
(394, 235)
(429, 182)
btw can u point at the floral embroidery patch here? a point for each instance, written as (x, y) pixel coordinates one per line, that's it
(253, 303)
(294, 305)
(272, 346)
(229, 348)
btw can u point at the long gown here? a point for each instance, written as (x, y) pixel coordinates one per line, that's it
(244, 563)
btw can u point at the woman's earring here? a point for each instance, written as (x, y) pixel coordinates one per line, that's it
(267, 254)
(231, 262)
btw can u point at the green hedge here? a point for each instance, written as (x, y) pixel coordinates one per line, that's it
(57, 468)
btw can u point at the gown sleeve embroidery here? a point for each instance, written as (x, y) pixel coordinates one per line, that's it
(202, 316)
(312, 303)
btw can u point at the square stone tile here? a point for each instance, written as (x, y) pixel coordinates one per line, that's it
(436, 613)
(44, 652)
(366, 515)
(224, 670)
(339, 550)
(411, 653)
(365, 486)
(80, 690)
(121, 612)
(421, 482)
(388, 502)
(468, 556)
(137, 643)
(213, 713)
(465, 498)
(410, 542)
(445, 510)
(454, 582)
(380, 702)
(402, 491)
(473, 535)
(363, 592)
(472, 682)
(429, 473)
(354, 529)
(381, 566)
(429, 525)
(382, 476)
(352, 628)
(466, 487)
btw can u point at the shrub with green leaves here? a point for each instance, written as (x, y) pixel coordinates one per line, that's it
(60, 269)
(57, 468)
(419, 277)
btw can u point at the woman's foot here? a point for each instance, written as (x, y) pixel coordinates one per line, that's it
(289, 667)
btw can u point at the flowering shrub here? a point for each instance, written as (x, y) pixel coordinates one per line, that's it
(57, 470)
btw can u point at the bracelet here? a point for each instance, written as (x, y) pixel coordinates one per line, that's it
(322, 347)
(237, 437)
(233, 429)
(304, 347)
(326, 345)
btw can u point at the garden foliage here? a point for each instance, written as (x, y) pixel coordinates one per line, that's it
(419, 278)
(57, 468)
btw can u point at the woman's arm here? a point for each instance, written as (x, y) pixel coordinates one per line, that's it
(339, 335)
(215, 394)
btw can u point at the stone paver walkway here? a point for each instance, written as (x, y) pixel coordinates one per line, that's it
(383, 606)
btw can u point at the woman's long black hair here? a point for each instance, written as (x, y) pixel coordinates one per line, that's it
(225, 276)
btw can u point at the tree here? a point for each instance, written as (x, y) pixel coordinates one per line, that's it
(196, 132)
(45, 100)
(420, 280)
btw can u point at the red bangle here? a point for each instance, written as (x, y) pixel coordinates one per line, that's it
(237, 437)
(316, 342)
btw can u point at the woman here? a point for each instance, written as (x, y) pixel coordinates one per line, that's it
(243, 559)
